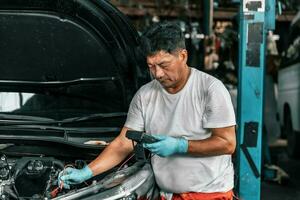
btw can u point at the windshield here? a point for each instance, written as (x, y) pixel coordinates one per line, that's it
(10, 101)
(59, 105)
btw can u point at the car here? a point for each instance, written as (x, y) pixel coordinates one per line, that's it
(289, 90)
(68, 72)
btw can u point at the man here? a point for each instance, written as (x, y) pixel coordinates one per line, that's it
(191, 114)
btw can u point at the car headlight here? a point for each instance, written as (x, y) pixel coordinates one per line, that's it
(127, 185)
(136, 185)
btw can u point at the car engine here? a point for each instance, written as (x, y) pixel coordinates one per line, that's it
(29, 177)
(37, 178)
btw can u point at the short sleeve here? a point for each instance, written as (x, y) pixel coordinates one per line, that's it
(135, 120)
(219, 111)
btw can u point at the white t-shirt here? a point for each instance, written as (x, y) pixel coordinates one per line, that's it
(203, 103)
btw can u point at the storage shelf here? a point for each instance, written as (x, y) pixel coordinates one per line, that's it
(193, 11)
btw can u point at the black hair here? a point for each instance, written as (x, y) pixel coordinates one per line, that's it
(164, 36)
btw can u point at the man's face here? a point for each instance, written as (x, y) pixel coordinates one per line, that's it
(168, 68)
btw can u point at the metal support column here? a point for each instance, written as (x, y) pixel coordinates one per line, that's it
(208, 14)
(256, 16)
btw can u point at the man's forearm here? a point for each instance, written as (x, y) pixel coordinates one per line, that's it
(221, 142)
(112, 155)
(209, 147)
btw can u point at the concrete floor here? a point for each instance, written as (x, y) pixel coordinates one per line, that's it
(289, 191)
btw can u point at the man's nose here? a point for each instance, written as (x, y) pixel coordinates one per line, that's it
(158, 72)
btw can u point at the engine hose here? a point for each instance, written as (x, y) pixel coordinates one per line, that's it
(11, 193)
(59, 164)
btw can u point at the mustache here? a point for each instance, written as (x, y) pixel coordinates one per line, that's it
(161, 79)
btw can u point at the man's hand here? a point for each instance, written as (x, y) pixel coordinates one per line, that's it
(72, 176)
(167, 145)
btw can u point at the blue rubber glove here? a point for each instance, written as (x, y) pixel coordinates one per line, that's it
(72, 176)
(167, 145)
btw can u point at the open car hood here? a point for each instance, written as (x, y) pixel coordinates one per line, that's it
(55, 45)
(68, 71)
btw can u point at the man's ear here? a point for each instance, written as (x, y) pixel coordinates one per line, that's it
(183, 55)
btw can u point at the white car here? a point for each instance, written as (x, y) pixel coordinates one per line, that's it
(289, 90)
(289, 106)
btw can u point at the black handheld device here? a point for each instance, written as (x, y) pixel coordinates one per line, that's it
(140, 137)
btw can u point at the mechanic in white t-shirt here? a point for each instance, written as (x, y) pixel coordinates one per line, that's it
(189, 112)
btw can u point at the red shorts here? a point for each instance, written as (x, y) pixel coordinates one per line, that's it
(202, 196)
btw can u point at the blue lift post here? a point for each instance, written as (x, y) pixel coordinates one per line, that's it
(256, 17)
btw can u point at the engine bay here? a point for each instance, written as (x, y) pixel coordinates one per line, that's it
(30, 170)
(34, 177)
(30, 177)
(37, 178)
